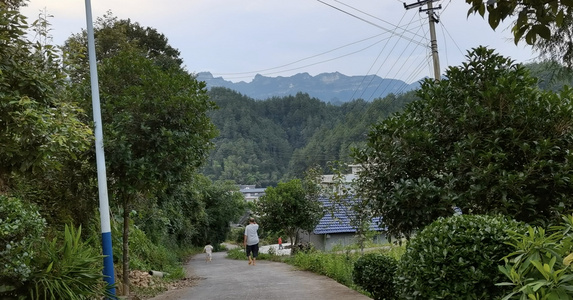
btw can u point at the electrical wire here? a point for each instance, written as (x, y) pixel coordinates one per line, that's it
(320, 62)
(382, 20)
(372, 66)
(303, 59)
(364, 20)
(388, 72)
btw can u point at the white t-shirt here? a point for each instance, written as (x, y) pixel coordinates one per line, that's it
(251, 233)
(208, 249)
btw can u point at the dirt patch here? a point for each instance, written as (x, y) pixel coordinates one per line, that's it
(145, 286)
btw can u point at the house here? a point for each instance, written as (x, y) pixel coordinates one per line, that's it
(330, 182)
(334, 228)
(251, 193)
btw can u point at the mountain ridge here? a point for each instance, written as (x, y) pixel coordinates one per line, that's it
(335, 87)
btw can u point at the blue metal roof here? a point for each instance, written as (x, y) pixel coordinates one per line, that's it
(337, 220)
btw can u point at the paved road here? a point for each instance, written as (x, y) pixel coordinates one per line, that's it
(233, 279)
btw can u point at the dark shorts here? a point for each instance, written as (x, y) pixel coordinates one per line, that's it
(254, 249)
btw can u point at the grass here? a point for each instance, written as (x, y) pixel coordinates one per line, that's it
(337, 265)
(239, 254)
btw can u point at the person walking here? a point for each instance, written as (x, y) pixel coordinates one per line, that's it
(251, 241)
(280, 243)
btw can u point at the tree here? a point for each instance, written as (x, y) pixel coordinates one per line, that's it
(39, 126)
(114, 36)
(154, 113)
(346, 198)
(484, 140)
(552, 21)
(224, 203)
(289, 207)
(155, 127)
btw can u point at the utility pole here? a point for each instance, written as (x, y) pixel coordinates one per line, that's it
(433, 19)
(107, 250)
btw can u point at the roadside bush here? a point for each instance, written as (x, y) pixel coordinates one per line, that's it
(375, 273)
(145, 255)
(237, 235)
(540, 266)
(70, 269)
(456, 258)
(239, 254)
(336, 266)
(21, 228)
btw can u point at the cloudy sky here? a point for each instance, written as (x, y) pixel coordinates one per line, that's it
(238, 39)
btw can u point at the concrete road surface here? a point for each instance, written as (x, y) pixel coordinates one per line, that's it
(235, 279)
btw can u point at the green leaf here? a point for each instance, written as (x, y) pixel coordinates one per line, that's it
(493, 19)
(542, 31)
(559, 18)
(49, 267)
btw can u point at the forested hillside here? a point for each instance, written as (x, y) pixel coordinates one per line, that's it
(263, 142)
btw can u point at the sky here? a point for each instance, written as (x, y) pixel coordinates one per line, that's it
(238, 39)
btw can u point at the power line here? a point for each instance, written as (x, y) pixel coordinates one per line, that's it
(303, 59)
(320, 62)
(371, 66)
(395, 62)
(382, 20)
(364, 20)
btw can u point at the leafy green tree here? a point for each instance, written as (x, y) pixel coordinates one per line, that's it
(547, 25)
(39, 127)
(154, 113)
(290, 207)
(485, 140)
(155, 127)
(346, 197)
(113, 36)
(224, 203)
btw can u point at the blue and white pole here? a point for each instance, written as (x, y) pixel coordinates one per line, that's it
(108, 271)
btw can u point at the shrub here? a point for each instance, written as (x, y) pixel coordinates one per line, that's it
(540, 266)
(334, 265)
(21, 227)
(237, 235)
(67, 270)
(375, 273)
(456, 258)
(145, 255)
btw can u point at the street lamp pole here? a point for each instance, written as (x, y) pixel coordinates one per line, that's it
(108, 270)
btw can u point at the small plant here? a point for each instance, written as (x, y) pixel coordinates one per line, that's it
(239, 253)
(375, 273)
(456, 258)
(540, 267)
(236, 253)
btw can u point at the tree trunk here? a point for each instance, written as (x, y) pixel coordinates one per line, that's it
(126, 247)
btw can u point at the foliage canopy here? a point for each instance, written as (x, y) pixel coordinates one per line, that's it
(456, 258)
(547, 25)
(484, 140)
(289, 207)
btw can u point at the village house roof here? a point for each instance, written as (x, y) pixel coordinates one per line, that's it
(337, 220)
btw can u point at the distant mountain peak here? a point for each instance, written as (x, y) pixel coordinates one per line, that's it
(328, 87)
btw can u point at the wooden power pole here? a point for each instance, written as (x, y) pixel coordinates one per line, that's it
(433, 20)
